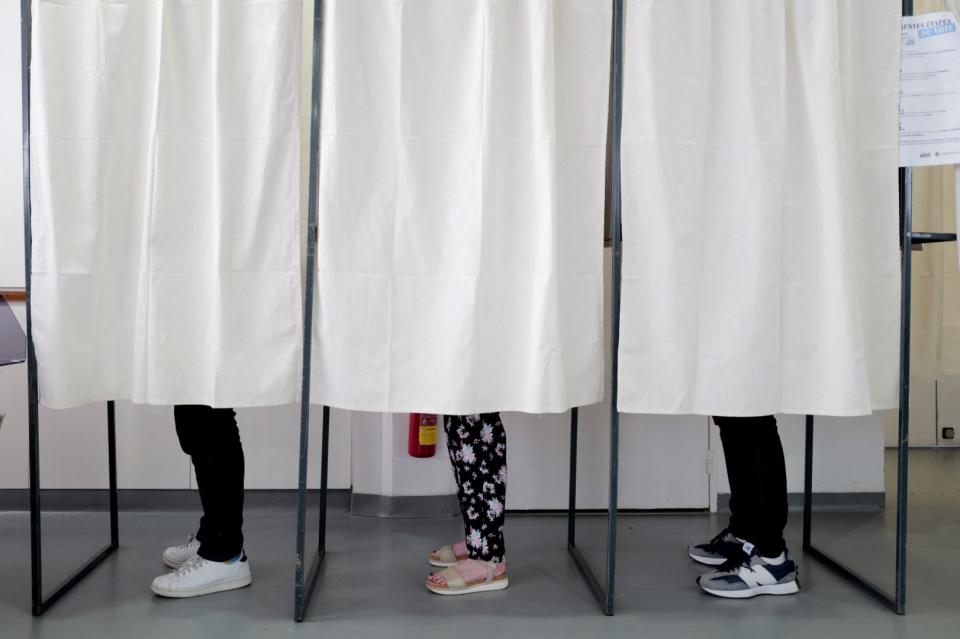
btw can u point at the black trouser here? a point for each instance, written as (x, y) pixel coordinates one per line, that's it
(758, 481)
(211, 438)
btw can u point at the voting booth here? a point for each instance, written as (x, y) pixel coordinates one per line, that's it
(818, 298)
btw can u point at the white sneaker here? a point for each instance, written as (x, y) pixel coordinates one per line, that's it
(176, 556)
(198, 576)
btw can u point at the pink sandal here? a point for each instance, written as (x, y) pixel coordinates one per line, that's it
(455, 584)
(445, 556)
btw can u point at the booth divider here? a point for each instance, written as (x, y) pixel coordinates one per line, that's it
(908, 239)
(40, 602)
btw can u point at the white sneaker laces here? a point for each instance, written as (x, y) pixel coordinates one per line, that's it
(190, 565)
(190, 541)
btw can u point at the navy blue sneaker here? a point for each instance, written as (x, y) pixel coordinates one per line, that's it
(750, 575)
(716, 551)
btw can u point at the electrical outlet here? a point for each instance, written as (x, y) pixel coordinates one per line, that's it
(948, 432)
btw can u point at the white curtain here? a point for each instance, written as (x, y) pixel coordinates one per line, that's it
(166, 200)
(761, 261)
(461, 205)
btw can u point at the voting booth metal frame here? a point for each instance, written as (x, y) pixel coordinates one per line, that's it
(908, 239)
(898, 600)
(304, 579)
(40, 602)
(604, 589)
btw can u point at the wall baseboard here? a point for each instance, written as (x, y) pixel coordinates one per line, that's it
(360, 504)
(134, 500)
(158, 500)
(826, 502)
(404, 507)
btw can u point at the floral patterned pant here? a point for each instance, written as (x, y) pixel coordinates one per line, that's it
(478, 451)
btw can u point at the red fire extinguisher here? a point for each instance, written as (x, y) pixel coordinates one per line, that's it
(422, 435)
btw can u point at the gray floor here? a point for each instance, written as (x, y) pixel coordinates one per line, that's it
(371, 583)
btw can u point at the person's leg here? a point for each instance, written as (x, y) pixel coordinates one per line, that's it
(482, 464)
(758, 481)
(446, 556)
(453, 426)
(211, 438)
(758, 487)
(737, 454)
(478, 451)
(743, 498)
(773, 491)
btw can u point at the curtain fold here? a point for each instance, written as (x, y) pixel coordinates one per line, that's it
(461, 205)
(761, 260)
(461, 193)
(165, 165)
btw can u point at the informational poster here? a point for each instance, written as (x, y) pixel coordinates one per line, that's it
(930, 90)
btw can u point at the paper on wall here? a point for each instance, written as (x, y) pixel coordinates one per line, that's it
(930, 90)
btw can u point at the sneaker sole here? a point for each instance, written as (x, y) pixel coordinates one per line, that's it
(706, 561)
(232, 584)
(789, 588)
(489, 586)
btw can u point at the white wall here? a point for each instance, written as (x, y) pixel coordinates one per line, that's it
(73, 443)
(380, 464)
(847, 457)
(658, 470)
(11, 154)
(849, 453)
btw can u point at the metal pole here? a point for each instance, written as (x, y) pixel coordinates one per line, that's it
(38, 604)
(617, 235)
(311, 266)
(903, 443)
(572, 507)
(112, 464)
(33, 397)
(906, 207)
(324, 456)
(808, 483)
